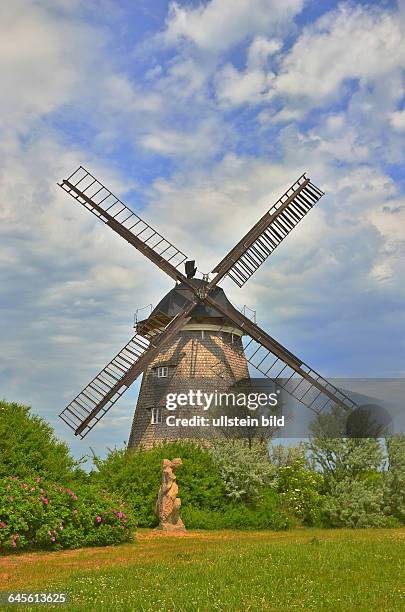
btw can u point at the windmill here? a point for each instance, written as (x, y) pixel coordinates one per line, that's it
(195, 319)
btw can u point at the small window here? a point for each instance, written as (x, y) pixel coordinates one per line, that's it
(156, 416)
(163, 372)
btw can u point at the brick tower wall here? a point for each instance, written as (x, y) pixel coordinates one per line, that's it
(206, 360)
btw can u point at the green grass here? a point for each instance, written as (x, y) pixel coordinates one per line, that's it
(297, 570)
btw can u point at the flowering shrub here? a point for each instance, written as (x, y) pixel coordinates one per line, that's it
(38, 514)
(300, 490)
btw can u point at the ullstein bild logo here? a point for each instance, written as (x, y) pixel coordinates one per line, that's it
(225, 421)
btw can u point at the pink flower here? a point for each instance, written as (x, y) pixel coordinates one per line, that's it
(16, 536)
(3, 524)
(13, 544)
(75, 511)
(53, 539)
(114, 510)
(98, 519)
(32, 488)
(75, 497)
(44, 500)
(49, 533)
(119, 514)
(37, 479)
(122, 526)
(61, 528)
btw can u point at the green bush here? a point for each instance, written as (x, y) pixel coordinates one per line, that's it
(267, 514)
(135, 475)
(35, 514)
(28, 447)
(394, 478)
(245, 468)
(357, 503)
(300, 490)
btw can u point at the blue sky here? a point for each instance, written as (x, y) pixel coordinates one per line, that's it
(199, 115)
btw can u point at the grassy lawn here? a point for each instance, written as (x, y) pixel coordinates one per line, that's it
(304, 569)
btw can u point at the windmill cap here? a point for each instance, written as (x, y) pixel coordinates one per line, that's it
(174, 301)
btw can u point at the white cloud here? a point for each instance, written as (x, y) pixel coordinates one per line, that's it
(251, 85)
(204, 141)
(219, 24)
(397, 120)
(43, 58)
(260, 49)
(236, 88)
(351, 43)
(119, 92)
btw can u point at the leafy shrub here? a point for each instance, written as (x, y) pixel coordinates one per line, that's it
(300, 490)
(39, 514)
(135, 475)
(356, 503)
(28, 446)
(245, 469)
(267, 514)
(394, 478)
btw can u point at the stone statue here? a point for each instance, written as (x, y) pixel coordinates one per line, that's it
(168, 504)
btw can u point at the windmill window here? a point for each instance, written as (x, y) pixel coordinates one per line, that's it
(156, 416)
(163, 372)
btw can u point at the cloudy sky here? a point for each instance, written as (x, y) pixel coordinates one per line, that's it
(199, 115)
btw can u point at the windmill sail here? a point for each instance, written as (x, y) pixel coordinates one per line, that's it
(100, 201)
(264, 237)
(86, 410)
(276, 362)
(302, 383)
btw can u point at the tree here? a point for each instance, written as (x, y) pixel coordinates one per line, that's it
(339, 457)
(29, 447)
(353, 472)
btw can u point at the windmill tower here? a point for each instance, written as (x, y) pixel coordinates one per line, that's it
(206, 355)
(194, 334)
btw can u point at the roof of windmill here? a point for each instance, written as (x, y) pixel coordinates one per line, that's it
(174, 301)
